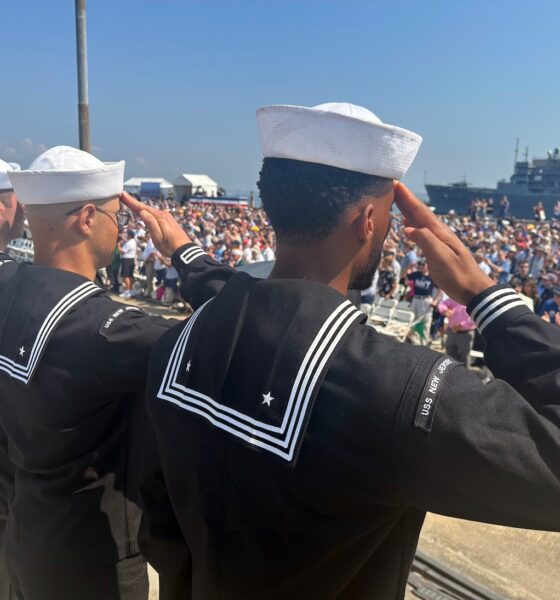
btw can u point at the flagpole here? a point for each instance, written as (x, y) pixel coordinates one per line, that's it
(83, 100)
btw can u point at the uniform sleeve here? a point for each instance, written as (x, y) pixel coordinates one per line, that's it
(486, 452)
(123, 340)
(520, 347)
(201, 276)
(160, 538)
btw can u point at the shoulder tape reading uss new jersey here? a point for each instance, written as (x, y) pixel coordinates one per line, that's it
(110, 319)
(431, 392)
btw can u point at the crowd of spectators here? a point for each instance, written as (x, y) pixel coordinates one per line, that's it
(524, 254)
(233, 235)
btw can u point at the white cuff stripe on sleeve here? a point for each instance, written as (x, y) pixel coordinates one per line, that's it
(505, 298)
(495, 304)
(190, 254)
(501, 311)
(489, 298)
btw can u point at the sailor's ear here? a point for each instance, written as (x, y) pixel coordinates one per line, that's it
(365, 223)
(87, 218)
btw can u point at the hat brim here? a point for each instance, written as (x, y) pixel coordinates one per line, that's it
(62, 187)
(336, 140)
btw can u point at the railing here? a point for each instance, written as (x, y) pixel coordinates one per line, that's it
(432, 580)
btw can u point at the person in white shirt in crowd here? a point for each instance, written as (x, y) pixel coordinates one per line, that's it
(208, 241)
(237, 256)
(367, 296)
(141, 232)
(128, 262)
(482, 263)
(171, 282)
(247, 253)
(391, 254)
(256, 254)
(268, 252)
(149, 255)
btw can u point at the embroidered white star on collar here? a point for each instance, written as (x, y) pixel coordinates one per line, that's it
(22, 351)
(267, 399)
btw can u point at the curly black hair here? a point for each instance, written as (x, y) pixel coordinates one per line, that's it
(305, 201)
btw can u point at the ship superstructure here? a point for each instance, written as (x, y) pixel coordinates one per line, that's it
(532, 181)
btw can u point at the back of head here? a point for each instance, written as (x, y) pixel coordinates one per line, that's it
(305, 201)
(63, 175)
(71, 199)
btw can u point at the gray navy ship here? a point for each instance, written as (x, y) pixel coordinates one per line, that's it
(532, 182)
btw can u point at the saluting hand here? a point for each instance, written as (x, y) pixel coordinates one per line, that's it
(167, 235)
(451, 264)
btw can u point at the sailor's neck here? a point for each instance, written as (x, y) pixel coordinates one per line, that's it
(66, 261)
(310, 266)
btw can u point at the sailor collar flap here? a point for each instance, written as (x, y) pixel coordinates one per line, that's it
(251, 361)
(36, 299)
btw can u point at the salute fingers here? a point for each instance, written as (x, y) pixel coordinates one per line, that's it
(417, 215)
(130, 202)
(167, 235)
(451, 264)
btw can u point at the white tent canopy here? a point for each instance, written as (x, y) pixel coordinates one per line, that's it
(134, 184)
(188, 184)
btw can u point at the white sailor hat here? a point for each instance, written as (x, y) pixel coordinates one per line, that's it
(5, 167)
(337, 134)
(63, 174)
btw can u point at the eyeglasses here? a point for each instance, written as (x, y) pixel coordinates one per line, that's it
(123, 217)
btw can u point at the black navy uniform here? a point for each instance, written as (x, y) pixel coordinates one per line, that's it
(299, 450)
(6, 486)
(72, 374)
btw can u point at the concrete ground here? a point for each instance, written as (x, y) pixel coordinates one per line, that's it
(154, 584)
(516, 563)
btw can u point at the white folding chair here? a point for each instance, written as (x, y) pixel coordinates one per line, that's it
(381, 315)
(400, 324)
(388, 302)
(403, 305)
(365, 308)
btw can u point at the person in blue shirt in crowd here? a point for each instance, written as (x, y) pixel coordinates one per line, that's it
(550, 310)
(502, 265)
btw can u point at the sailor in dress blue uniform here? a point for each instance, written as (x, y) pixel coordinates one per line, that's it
(72, 375)
(298, 450)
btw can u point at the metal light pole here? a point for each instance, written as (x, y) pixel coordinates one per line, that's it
(83, 100)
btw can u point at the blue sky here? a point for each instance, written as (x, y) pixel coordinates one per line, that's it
(174, 85)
